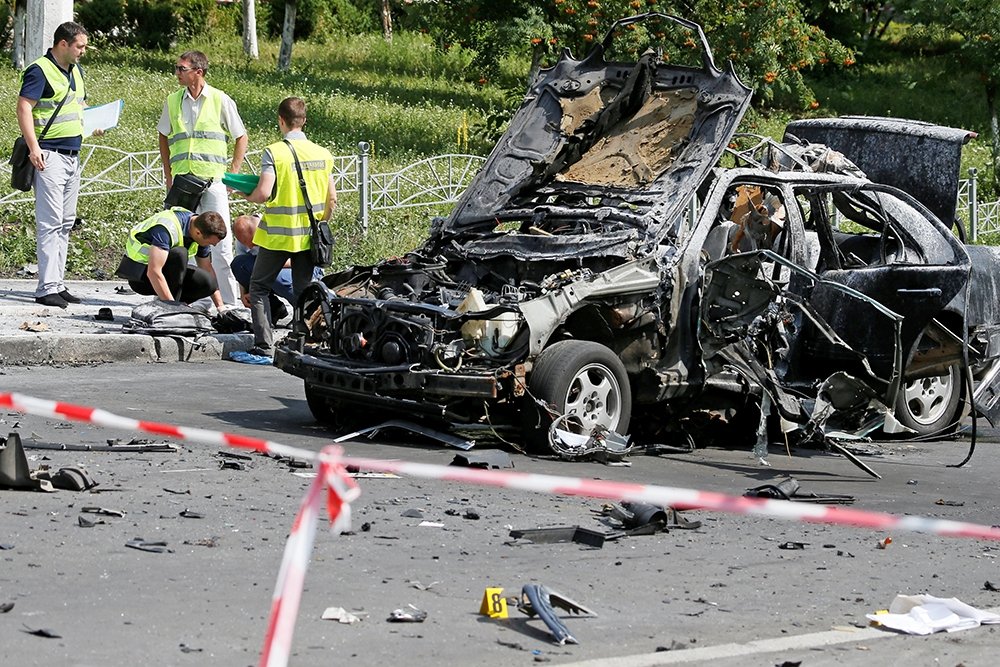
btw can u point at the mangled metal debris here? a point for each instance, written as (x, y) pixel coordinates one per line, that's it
(561, 534)
(537, 600)
(443, 438)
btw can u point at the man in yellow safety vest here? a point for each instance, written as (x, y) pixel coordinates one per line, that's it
(54, 83)
(194, 129)
(283, 231)
(158, 252)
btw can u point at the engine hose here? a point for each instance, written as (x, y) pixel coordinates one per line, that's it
(444, 366)
(968, 377)
(975, 418)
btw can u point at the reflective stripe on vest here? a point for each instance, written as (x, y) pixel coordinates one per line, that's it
(200, 150)
(138, 251)
(69, 122)
(285, 224)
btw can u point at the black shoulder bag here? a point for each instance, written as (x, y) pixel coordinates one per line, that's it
(22, 172)
(321, 247)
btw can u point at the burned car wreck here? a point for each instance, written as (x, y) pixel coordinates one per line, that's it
(604, 275)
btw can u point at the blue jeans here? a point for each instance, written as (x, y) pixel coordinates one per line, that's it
(282, 286)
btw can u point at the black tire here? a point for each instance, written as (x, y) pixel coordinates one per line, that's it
(321, 407)
(582, 378)
(930, 406)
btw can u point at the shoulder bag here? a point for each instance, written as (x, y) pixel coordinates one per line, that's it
(321, 247)
(22, 172)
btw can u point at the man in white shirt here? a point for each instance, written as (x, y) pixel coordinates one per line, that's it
(194, 129)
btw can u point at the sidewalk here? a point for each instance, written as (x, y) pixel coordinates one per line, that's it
(32, 334)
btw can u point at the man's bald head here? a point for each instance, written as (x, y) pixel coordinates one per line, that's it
(244, 228)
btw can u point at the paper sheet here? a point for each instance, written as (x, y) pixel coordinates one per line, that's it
(926, 614)
(102, 117)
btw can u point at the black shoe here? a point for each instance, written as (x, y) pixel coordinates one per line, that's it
(69, 298)
(278, 311)
(51, 300)
(261, 351)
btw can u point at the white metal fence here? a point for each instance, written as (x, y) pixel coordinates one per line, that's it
(980, 217)
(433, 181)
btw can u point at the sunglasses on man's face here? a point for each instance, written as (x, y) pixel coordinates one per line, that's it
(183, 68)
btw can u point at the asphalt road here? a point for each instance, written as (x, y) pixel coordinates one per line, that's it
(724, 594)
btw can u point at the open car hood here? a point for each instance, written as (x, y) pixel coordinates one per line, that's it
(637, 136)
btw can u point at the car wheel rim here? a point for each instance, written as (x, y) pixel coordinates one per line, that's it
(594, 396)
(927, 399)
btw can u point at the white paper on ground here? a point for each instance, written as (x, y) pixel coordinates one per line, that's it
(926, 614)
(103, 117)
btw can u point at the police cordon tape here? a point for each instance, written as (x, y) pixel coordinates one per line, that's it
(341, 490)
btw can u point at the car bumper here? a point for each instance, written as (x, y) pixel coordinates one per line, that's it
(396, 387)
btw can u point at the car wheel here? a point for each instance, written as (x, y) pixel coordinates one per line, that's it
(321, 407)
(930, 405)
(583, 379)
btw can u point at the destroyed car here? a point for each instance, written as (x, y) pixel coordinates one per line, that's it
(604, 273)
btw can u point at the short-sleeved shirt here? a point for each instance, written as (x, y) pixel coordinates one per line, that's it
(190, 108)
(267, 160)
(159, 237)
(35, 87)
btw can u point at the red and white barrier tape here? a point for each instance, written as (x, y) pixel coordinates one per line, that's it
(291, 577)
(331, 475)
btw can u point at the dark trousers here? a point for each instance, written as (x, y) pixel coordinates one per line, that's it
(267, 267)
(187, 283)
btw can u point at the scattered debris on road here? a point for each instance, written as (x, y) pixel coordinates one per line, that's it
(411, 615)
(927, 614)
(537, 600)
(340, 615)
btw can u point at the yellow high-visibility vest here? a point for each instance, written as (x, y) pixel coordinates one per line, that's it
(200, 150)
(69, 122)
(139, 251)
(285, 223)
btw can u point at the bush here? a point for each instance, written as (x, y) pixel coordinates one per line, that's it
(101, 18)
(153, 24)
(315, 19)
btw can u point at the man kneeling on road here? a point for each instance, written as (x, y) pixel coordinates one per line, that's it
(244, 228)
(159, 248)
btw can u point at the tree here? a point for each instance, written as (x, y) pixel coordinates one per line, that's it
(287, 37)
(250, 29)
(770, 42)
(386, 21)
(20, 26)
(978, 23)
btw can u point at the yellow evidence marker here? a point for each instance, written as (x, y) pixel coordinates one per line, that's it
(494, 603)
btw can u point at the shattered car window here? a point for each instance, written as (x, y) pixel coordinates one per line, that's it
(869, 228)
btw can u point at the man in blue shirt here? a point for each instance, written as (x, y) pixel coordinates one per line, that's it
(158, 250)
(54, 79)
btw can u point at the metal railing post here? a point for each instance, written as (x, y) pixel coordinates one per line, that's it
(364, 186)
(973, 206)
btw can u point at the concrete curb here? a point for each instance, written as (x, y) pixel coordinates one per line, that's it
(32, 335)
(38, 349)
